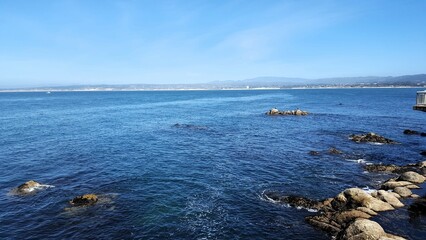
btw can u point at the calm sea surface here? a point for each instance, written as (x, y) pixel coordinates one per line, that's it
(203, 180)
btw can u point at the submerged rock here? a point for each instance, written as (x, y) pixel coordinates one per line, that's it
(314, 153)
(423, 153)
(372, 138)
(418, 207)
(334, 151)
(28, 187)
(294, 201)
(84, 200)
(297, 112)
(410, 132)
(190, 126)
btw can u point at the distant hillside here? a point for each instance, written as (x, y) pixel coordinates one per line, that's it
(418, 80)
(410, 80)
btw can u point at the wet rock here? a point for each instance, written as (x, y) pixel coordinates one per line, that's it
(403, 191)
(314, 153)
(412, 177)
(358, 198)
(372, 138)
(422, 164)
(324, 223)
(334, 151)
(297, 112)
(84, 200)
(28, 187)
(389, 198)
(294, 201)
(423, 153)
(410, 132)
(381, 168)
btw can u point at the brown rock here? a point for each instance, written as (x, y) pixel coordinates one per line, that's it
(347, 216)
(367, 210)
(389, 198)
(334, 151)
(85, 200)
(403, 191)
(27, 187)
(412, 177)
(371, 137)
(381, 168)
(391, 184)
(358, 198)
(363, 229)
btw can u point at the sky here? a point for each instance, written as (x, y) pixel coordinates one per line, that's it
(71, 42)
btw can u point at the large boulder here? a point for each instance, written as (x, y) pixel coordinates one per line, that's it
(358, 198)
(391, 184)
(403, 191)
(389, 198)
(364, 229)
(371, 137)
(412, 177)
(84, 200)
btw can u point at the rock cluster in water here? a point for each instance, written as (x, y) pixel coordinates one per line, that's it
(332, 150)
(84, 200)
(296, 112)
(346, 215)
(413, 132)
(371, 138)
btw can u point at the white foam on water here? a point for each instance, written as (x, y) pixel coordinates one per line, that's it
(368, 190)
(360, 160)
(265, 197)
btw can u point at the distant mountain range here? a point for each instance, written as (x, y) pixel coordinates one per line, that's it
(418, 80)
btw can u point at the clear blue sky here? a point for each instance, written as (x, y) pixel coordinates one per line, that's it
(58, 42)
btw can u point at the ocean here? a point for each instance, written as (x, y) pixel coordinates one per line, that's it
(195, 164)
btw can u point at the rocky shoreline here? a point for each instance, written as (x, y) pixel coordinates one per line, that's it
(346, 216)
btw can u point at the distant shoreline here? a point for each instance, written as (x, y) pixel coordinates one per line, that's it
(49, 90)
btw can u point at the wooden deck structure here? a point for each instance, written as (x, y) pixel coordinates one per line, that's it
(420, 101)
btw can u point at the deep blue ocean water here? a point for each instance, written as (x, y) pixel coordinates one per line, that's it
(202, 180)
